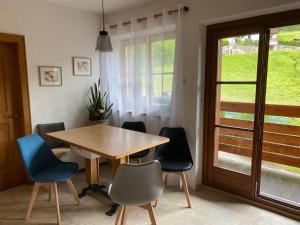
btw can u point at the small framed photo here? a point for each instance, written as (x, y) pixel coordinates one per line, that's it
(50, 76)
(82, 66)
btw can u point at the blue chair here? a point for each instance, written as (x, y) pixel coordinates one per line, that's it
(43, 167)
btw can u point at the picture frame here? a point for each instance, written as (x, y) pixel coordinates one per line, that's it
(82, 66)
(50, 75)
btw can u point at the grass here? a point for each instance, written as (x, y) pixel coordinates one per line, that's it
(283, 84)
(288, 38)
(291, 169)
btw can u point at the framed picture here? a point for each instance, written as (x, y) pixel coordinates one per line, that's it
(82, 66)
(50, 76)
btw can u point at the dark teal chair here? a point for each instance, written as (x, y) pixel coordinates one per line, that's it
(44, 168)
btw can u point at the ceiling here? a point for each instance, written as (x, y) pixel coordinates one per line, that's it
(110, 6)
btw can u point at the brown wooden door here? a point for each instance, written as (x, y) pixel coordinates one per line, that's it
(11, 126)
(232, 106)
(245, 137)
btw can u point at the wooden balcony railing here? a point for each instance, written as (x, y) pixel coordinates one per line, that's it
(281, 143)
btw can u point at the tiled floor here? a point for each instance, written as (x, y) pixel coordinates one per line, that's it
(209, 208)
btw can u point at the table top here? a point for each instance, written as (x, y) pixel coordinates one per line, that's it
(110, 142)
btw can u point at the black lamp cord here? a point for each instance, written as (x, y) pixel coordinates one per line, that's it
(103, 16)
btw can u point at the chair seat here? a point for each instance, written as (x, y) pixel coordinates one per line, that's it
(61, 151)
(175, 165)
(60, 172)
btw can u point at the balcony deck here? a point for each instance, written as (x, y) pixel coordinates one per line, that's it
(281, 149)
(276, 182)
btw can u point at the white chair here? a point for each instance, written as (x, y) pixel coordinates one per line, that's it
(137, 185)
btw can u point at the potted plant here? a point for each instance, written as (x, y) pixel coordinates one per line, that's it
(99, 108)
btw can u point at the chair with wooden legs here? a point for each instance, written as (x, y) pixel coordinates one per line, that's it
(44, 168)
(140, 127)
(136, 185)
(175, 156)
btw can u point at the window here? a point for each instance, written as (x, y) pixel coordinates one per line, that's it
(148, 63)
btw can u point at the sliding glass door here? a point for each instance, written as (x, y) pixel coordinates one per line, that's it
(280, 167)
(233, 91)
(252, 109)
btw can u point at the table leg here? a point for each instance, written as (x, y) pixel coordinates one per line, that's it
(91, 171)
(92, 174)
(117, 162)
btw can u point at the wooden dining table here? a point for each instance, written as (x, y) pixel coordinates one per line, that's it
(113, 143)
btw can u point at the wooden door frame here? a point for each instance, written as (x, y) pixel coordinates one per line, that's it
(19, 41)
(286, 18)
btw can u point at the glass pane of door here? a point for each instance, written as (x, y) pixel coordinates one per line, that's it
(235, 102)
(280, 169)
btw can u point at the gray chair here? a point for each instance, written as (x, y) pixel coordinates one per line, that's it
(137, 185)
(59, 148)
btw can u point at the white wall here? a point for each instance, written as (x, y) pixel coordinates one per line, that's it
(201, 11)
(54, 34)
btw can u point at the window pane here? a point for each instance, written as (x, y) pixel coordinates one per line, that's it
(169, 56)
(238, 58)
(235, 105)
(163, 53)
(157, 86)
(141, 58)
(281, 145)
(167, 83)
(233, 149)
(144, 84)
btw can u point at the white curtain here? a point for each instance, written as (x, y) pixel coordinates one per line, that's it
(143, 75)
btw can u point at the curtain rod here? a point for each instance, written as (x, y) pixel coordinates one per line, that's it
(170, 12)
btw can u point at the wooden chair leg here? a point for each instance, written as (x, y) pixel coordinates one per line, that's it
(73, 190)
(32, 200)
(165, 178)
(50, 192)
(57, 203)
(98, 169)
(151, 214)
(164, 174)
(124, 215)
(186, 189)
(120, 214)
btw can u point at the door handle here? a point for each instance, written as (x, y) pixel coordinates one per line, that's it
(12, 116)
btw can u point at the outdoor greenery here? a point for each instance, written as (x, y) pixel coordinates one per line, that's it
(289, 38)
(247, 41)
(162, 73)
(282, 85)
(225, 42)
(283, 77)
(288, 34)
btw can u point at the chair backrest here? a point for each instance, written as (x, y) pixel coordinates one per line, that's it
(140, 127)
(135, 126)
(43, 129)
(36, 154)
(176, 148)
(137, 184)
